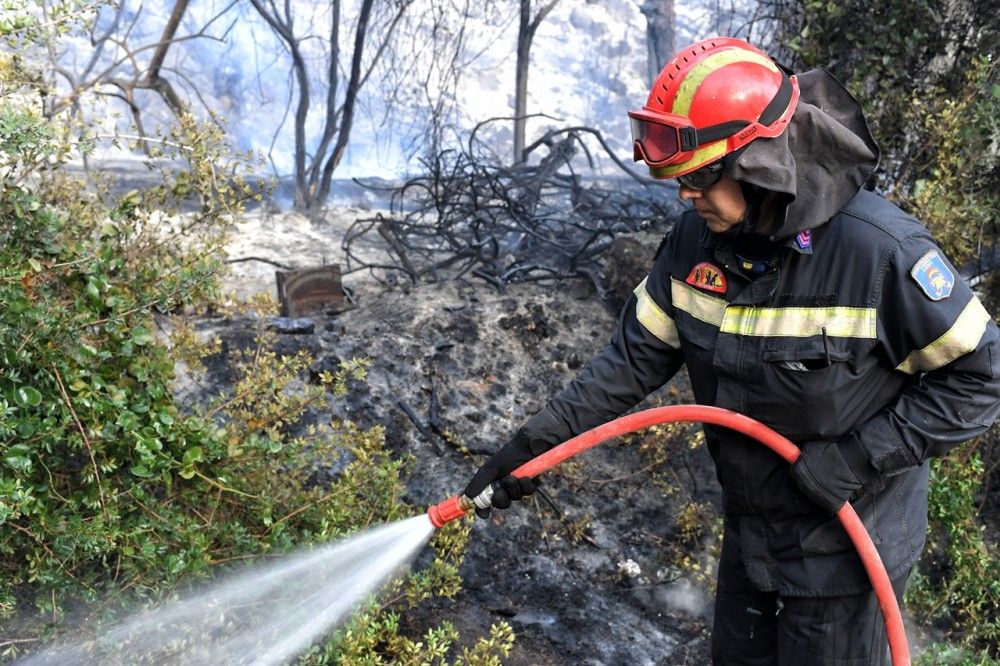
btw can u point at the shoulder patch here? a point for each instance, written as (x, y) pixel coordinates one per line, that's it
(933, 276)
(707, 276)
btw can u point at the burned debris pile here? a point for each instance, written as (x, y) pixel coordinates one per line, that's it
(545, 218)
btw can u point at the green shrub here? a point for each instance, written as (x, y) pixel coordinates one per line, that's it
(112, 495)
(960, 578)
(941, 654)
(90, 435)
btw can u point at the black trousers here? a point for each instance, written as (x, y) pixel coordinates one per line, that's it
(754, 628)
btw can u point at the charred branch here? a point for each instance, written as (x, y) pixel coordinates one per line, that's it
(421, 427)
(471, 214)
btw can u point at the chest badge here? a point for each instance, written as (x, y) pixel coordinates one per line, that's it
(804, 240)
(707, 276)
(933, 276)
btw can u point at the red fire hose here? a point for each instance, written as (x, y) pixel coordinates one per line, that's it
(457, 506)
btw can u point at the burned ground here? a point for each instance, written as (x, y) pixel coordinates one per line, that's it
(591, 570)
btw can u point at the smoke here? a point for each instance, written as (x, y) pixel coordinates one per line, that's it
(685, 597)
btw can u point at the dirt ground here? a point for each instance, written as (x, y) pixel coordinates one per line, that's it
(586, 573)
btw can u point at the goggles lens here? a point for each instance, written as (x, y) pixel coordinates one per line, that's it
(654, 143)
(702, 178)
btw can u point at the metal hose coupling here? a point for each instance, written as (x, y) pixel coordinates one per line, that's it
(457, 506)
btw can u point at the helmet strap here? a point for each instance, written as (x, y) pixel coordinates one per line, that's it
(772, 112)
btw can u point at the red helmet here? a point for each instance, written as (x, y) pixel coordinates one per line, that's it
(714, 97)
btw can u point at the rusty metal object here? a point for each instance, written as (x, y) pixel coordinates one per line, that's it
(310, 291)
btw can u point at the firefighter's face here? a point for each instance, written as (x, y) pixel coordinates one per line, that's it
(721, 204)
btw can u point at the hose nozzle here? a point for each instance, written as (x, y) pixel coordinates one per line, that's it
(457, 506)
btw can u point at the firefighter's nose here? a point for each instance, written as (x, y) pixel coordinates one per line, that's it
(686, 193)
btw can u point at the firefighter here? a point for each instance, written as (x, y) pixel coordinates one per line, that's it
(799, 298)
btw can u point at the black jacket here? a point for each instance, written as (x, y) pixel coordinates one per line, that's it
(858, 325)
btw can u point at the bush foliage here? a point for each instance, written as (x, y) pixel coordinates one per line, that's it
(110, 493)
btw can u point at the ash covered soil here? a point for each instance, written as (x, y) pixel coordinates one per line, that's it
(586, 572)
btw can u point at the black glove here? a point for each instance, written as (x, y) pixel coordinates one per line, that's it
(831, 473)
(512, 455)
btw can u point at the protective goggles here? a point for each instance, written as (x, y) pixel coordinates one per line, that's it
(702, 178)
(661, 138)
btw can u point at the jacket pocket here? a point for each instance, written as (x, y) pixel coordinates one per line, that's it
(830, 536)
(806, 359)
(805, 391)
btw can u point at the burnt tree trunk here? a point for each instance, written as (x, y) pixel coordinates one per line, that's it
(314, 166)
(660, 23)
(527, 26)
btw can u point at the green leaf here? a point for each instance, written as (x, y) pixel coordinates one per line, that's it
(191, 456)
(27, 396)
(141, 471)
(17, 458)
(996, 91)
(141, 337)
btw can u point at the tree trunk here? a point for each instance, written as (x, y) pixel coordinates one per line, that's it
(660, 23)
(526, 29)
(350, 102)
(524, 37)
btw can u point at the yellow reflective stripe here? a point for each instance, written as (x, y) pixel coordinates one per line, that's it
(704, 155)
(697, 303)
(841, 322)
(653, 318)
(959, 340)
(689, 86)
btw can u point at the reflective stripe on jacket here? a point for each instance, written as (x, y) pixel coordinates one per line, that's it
(857, 329)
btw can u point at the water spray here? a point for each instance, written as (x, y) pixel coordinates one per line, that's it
(457, 506)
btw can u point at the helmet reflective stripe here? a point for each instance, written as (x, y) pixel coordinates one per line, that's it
(689, 86)
(704, 155)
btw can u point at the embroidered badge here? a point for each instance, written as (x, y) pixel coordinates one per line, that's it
(752, 265)
(933, 276)
(707, 276)
(804, 240)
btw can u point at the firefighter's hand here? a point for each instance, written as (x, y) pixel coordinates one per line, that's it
(498, 469)
(831, 473)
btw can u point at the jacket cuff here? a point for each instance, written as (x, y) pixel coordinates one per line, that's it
(544, 431)
(856, 458)
(887, 452)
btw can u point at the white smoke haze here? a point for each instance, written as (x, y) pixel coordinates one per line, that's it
(266, 614)
(587, 68)
(686, 597)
